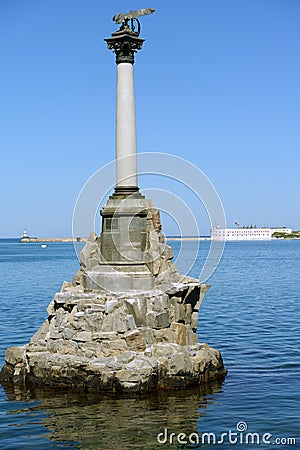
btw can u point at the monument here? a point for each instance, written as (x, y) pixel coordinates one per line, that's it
(128, 320)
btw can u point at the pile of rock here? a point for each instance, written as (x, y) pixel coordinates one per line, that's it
(113, 342)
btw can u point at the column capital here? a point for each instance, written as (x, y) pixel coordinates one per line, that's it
(124, 43)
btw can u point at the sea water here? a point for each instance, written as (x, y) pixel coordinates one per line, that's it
(251, 314)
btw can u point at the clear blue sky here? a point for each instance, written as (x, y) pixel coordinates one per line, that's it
(217, 83)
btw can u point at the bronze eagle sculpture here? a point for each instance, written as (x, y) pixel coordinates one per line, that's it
(124, 18)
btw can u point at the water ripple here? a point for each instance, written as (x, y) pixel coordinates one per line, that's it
(251, 313)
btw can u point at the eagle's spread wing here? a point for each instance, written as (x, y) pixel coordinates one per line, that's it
(120, 18)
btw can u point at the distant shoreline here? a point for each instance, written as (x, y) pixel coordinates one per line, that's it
(39, 240)
(84, 239)
(189, 238)
(168, 238)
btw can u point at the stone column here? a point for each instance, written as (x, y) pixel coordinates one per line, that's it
(125, 43)
(125, 129)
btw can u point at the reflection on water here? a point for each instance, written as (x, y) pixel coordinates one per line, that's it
(94, 421)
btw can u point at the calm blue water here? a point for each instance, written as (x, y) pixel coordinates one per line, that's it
(251, 314)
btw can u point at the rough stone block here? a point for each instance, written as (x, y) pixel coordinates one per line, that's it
(61, 317)
(151, 320)
(162, 320)
(158, 303)
(55, 333)
(110, 306)
(137, 371)
(126, 357)
(112, 364)
(108, 323)
(177, 364)
(76, 319)
(199, 363)
(180, 333)
(178, 311)
(66, 347)
(93, 321)
(188, 313)
(41, 333)
(90, 252)
(148, 335)
(130, 323)
(138, 308)
(50, 309)
(68, 333)
(164, 350)
(194, 322)
(135, 341)
(91, 349)
(191, 336)
(120, 325)
(165, 335)
(15, 355)
(163, 367)
(55, 346)
(109, 335)
(114, 347)
(82, 336)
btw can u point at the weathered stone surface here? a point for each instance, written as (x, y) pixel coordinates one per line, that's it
(191, 336)
(180, 333)
(41, 333)
(90, 349)
(177, 364)
(148, 335)
(93, 320)
(194, 320)
(108, 323)
(163, 320)
(115, 347)
(82, 336)
(110, 335)
(138, 308)
(117, 342)
(50, 309)
(135, 341)
(151, 320)
(15, 355)
(120, 325)
(90, 255)
(68, 333)
(165, 335)
(130, 322)
(110, 306)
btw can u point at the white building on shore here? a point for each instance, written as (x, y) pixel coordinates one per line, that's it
(246, 234)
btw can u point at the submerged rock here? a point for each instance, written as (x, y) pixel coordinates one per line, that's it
(116, 342)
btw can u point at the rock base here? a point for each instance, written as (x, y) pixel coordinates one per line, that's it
(112, 342)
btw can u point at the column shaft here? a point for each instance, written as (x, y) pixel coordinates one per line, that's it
(126, 160)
